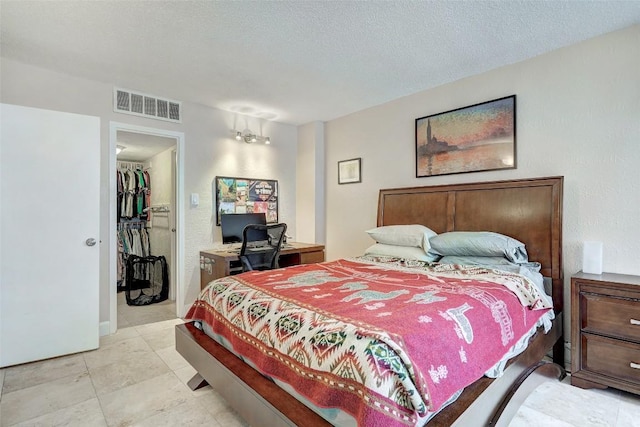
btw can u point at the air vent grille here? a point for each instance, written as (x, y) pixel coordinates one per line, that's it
(141, 104)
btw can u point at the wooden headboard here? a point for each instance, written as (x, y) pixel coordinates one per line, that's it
(529, 210)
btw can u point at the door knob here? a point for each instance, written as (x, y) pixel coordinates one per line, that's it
(90, 242)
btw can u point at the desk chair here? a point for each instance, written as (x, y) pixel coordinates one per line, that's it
(261, 245)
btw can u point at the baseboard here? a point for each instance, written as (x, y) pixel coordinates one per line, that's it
(104, 328)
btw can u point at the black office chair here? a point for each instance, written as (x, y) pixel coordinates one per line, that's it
(261, 245)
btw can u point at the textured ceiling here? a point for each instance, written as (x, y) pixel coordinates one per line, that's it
(294, 61)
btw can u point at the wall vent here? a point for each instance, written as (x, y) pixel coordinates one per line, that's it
(145, 105)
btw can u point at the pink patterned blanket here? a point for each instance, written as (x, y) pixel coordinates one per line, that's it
(386, 344)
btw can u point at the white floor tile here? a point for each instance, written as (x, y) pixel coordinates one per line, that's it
(172, 358)
(119, 351)
(84, 414)
(629, 412)
(123, 333)
(158, 326)
(41, 399)
(573, 405)
(143, 400)
(527, 417)
(187, 414)
(230, 419)
(163, 338)
(109, 378)
(30, 374)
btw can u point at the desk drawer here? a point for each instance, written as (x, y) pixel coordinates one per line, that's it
(614, 358)
(616, 317)
(311, 257)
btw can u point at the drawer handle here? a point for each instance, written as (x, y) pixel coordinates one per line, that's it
(634, 365)
(635, 322)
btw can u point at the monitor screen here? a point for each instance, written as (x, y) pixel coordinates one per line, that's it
(232, 225)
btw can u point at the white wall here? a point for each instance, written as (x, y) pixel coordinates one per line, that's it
(161, 186)
(578, 115)
(216, 154)
(209, 151)
(310, 194)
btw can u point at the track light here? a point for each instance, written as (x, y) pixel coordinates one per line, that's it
(250, 137)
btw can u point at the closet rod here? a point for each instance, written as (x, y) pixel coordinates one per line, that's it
(122, 164)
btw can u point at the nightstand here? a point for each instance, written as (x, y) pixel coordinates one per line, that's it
(605, 331)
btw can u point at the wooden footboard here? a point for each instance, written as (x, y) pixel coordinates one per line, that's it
(258, 400)
(261, 402)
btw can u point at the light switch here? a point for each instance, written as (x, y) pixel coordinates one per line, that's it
(195, 199)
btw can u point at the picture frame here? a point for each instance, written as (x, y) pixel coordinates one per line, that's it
(476, 138)
(246, 195)
(349, 171)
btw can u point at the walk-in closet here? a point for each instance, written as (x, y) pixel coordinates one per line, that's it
(145, 214)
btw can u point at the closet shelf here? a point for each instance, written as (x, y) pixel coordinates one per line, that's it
(158, 208)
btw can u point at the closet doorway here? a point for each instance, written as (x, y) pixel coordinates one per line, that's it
(146, 230)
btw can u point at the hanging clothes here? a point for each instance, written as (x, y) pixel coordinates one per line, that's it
(134, 194)
(133, 186)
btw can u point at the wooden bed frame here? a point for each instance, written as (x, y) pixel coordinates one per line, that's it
(529, 210)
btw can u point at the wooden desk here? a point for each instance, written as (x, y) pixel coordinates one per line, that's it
(215, 264)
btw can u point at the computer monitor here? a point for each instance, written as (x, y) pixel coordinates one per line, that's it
(232, 225)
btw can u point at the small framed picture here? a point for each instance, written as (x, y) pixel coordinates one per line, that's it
(349, 171)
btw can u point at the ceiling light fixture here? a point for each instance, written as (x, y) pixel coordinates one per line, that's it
(250, 137)
(119, 149)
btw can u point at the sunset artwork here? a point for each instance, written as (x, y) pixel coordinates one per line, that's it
(480, 137)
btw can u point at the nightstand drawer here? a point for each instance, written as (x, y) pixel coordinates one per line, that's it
(616, 317)
(614, 358)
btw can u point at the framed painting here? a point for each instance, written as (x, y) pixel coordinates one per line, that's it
(480, 137)
(349, 171)
(246, 195)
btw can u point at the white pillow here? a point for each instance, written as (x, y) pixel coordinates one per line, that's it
(411, 235)
(405, 252)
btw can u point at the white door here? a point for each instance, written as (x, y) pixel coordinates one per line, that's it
(173, 271)
(49, 248)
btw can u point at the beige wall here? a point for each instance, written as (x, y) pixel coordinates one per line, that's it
(578, 115)
(209, 151)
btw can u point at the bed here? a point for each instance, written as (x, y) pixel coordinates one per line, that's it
(528, 210)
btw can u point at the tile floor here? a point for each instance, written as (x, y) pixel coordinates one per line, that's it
(144, 314)
(559, 404)
(136, 378)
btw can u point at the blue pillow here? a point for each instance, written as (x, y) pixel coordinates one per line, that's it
(478, 243)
